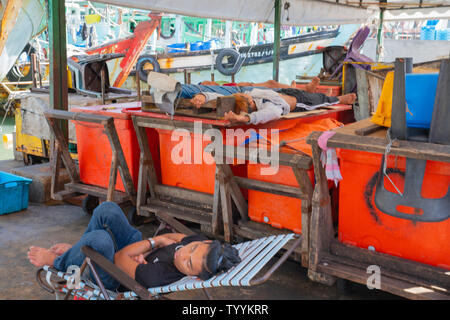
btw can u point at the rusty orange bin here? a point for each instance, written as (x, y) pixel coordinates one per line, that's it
(94, 149)
(362, 224)
(196, 172)
(282, 211)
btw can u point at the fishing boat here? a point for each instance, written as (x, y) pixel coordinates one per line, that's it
(20, 22)
(228, 61)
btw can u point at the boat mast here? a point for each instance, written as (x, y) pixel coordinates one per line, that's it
(380, 31)
(276, 41)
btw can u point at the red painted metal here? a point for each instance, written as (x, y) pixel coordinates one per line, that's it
(131, 47)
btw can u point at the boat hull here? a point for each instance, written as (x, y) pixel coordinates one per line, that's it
(291, 48)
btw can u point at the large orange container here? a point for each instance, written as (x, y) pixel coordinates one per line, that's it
(197, 171)
(94, 148)
(362, 224)
(281, 211)
(278, 211)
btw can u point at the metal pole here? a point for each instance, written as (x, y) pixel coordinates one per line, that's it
(380, 32)
(58, 57)
(276, 41)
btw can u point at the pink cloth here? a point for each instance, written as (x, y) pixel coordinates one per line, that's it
(328, 158)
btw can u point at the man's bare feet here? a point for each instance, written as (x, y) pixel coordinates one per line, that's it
(293, 84)
(348, 98)
(329, 92)
(60, 248)
(40, 256)
(312, 86)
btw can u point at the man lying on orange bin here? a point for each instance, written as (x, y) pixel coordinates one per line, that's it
(262, 105)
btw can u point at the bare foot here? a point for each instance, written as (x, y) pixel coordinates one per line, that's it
(40, 256)
(293, 84)
(348, 98)
(60, 248)
(312, 86)
(329, 91)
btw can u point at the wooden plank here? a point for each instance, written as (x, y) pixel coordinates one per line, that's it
(119, 158)
(388, 282)
(403, 266)
(184, 194)
(75, 116)
(306, 188)
(227, 213)
(368, 130)
(235, 191)
(216, 224)
(269, 187)
(169, 124)
(179, 211)
(96, 191)
(64, 149)
(146, 161)
(254, 155)
(179, 227)
(112, 178)
(116, 273)
(321, 230)
(404, 148)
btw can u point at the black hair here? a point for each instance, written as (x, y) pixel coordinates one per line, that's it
(220, 257)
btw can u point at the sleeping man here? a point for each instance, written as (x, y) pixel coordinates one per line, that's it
(260, 105)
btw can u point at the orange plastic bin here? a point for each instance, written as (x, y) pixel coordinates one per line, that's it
(281, 211)
(94, 149)
(197, 171)
(362, 224)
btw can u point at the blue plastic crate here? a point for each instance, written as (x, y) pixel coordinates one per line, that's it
(428, 33)
(420, 95)
(13, 192)
(443, 34)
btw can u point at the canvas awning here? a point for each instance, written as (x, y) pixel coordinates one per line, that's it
(294, 12)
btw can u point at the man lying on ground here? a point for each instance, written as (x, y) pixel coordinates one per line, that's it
(262, 105)
(152, 262)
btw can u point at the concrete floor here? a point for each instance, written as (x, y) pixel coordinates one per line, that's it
(44, 226)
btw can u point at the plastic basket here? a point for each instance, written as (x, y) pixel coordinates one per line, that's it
(13, 193)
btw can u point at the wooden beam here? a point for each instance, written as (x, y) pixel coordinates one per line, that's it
(58, 58)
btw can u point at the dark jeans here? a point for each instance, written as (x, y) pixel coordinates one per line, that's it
(188, 91)
(108, 231)
(308, 98)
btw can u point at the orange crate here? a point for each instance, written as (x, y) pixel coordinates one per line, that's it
(278, 211)
(190, 174)
(94, 148)
(362, 224)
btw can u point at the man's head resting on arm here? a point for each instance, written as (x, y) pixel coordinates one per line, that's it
(205, 259)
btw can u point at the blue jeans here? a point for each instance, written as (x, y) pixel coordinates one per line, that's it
(108, 231)
(188, 91)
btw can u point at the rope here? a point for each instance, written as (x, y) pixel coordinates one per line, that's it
(386, 152)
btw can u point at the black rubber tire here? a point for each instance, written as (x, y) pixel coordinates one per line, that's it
(89, 204)
(141, 63)
(172, 33)
(15, 74)
(234, 64)
(343, 286)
